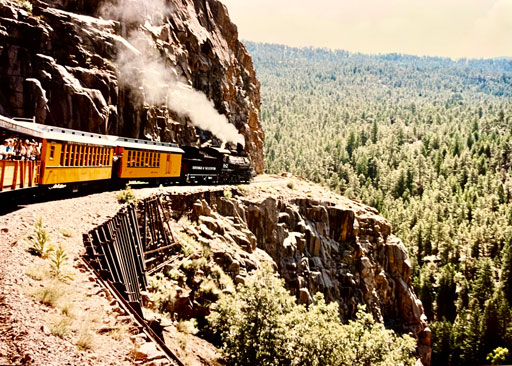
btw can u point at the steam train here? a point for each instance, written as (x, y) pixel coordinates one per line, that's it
(65, 157)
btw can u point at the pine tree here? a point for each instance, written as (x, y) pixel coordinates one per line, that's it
(506, 270)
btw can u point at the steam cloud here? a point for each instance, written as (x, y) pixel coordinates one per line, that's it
(141, 65)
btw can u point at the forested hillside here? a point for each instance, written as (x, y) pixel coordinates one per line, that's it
(427, 141)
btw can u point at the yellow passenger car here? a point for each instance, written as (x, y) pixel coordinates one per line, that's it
(141, 159)
(64, 156)
(85, 158)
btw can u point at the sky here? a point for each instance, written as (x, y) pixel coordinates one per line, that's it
(446, 28)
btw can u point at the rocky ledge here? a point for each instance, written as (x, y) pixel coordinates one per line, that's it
(318, 241)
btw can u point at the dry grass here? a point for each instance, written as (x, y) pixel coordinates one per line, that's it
(60, 326)
(37, 272)
(66, 233)
(49, 294)
(86, 337)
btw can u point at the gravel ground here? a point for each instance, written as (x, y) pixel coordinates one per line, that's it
(25, 323)
(27, 326)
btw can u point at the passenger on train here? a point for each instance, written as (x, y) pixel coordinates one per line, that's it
(5, 150)
(15, 148)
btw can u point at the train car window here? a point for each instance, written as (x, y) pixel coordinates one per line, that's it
(87, 155)
(105, 157)
(110, 151)
(63, 154)
(152, 159)
(158, 160)
(137, 158)
(96, 156)
(71, 155)
(146, 159)
(76, 160)
(82, 153)
(102, 162)
(52, 152)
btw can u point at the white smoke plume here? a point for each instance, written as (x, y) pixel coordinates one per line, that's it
(187, 101)
(136, 11)
(142, 67)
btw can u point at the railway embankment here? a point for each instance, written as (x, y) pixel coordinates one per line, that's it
(317, 241)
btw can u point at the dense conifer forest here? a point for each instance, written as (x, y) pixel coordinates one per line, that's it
(428, 142)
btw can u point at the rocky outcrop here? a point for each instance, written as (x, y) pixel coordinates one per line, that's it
(337, 246)
(58, 63)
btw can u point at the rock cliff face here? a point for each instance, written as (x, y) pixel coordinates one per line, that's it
(58, 63)
(337, 246)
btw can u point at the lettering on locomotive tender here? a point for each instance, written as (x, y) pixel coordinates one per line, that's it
(195, 167)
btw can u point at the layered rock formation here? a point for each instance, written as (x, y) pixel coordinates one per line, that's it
(337, 246)
(58, 62)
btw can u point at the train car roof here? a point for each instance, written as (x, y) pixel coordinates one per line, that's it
(65, 134)
(54, 133)
(147, 145)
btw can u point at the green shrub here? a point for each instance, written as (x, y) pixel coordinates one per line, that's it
(260, 324)
(126, 195)
(27, 5)
(498, 356)
(39, 241)
(57, 264)
(188, 326)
